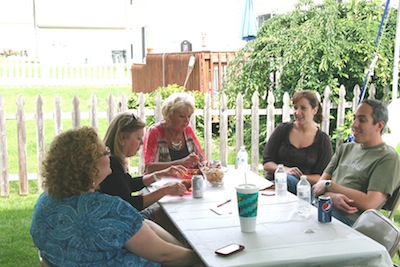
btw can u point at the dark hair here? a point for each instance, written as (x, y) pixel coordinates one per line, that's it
(122, 123)
(379, 111)
(314, 102)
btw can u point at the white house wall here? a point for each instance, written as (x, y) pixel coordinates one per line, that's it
(77, 31)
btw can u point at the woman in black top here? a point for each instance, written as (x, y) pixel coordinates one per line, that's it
(300, 145)
(124, 137)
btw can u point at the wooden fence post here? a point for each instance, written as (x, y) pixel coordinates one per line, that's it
(94, 122)
(239, 123)
(223, 130)
(124, 103)
(255, 138)
(207, 127)
(326, 110)
(22, 162)
(110, 108)
(286, 107)
(40, 144)
(270, 114)
(340, 113)
(142, 115)
(157, 109)
(4, 179)
(76, 113)
(58, 126)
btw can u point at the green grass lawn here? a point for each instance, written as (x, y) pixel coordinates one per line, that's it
(16, 246)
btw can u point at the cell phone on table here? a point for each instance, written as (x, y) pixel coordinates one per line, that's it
(229, 249)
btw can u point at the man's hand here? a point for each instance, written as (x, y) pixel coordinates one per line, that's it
(319, 188)
(343, 203)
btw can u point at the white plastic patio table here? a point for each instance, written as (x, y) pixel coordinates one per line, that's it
(282, 237)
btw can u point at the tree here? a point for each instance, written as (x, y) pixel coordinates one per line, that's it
(315, 46)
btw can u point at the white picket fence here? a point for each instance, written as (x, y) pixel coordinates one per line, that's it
(223, 112)
(16, 73)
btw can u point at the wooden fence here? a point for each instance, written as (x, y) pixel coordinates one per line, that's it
(17, 73)
(223, 112)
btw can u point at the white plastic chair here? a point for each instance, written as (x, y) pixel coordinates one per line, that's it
(376, 226)
(392, 204)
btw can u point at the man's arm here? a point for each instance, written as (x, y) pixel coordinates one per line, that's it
(347, 199)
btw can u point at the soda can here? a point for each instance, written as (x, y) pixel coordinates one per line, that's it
(216, 164)
(197, 186)
(324, 209)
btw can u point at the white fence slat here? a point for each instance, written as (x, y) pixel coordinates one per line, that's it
(223, 129)
(255, 130)
(76, 113)
(4, 179)
(40, 144)
(22, 150)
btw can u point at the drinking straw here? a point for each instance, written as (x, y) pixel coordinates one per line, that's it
(245, 178)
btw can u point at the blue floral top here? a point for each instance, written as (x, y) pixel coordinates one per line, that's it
(86, 230)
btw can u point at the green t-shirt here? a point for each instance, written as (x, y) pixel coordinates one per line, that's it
(374, 168)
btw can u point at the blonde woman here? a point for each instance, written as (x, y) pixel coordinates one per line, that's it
(173, 141)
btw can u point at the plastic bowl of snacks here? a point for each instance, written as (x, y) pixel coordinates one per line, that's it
(214, 176)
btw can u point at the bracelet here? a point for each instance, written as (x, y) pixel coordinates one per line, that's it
(156, 179)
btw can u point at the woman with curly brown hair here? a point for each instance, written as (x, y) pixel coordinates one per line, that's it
(73, 225)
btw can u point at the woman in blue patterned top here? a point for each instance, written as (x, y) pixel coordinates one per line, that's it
(72, 225)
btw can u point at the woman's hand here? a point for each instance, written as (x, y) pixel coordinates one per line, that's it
(173, 171)
(191, 161)
(296, 172)
(175, 188)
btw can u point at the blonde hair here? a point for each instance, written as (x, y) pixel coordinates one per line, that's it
(70, 165)
(177, 101)
(124, 123)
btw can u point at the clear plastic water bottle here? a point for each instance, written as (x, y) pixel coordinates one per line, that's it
(242, 159)
(280, 181)
(303, 197)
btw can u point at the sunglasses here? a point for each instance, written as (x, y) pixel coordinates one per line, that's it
(130, 119)
(106, 152)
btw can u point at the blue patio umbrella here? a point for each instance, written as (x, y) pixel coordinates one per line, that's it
(249, 22)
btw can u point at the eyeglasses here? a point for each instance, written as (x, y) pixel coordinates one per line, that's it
(106, 152)
(130, 119)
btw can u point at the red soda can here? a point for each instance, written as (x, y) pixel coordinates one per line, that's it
(324, 209)
(216, 164)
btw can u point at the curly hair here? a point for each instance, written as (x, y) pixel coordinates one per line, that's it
(177, 101)
(123, 123)
(70, 165)
(314, 102)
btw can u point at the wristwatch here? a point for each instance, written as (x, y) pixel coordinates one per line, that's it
(328, 184)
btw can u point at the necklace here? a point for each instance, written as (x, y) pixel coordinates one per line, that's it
(176, 146)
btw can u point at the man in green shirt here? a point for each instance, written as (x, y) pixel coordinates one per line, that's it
(363, 174)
